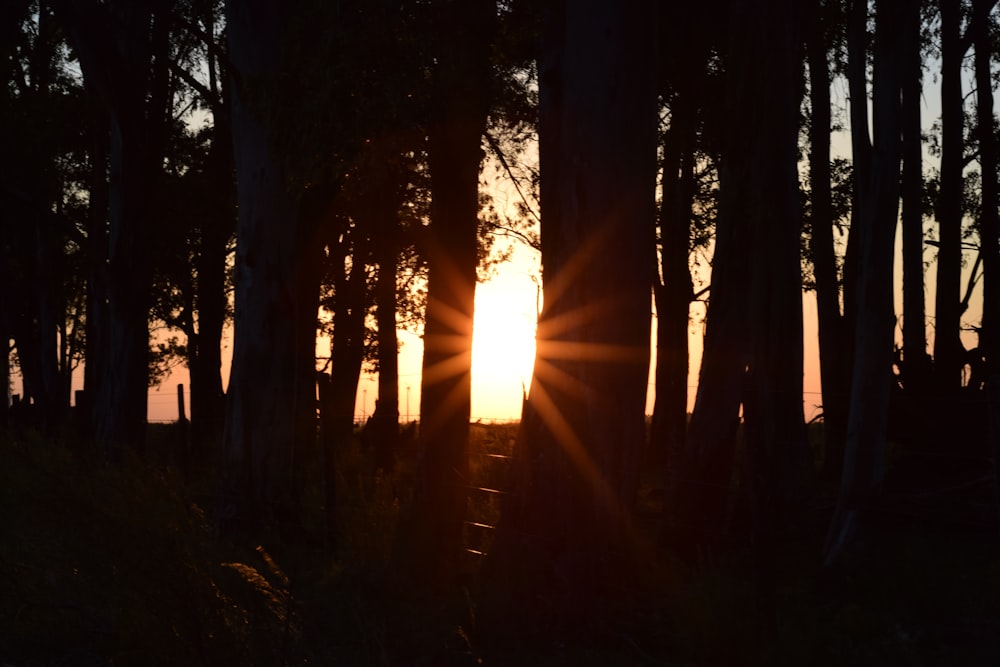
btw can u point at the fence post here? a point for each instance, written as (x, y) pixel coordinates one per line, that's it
(181, 415)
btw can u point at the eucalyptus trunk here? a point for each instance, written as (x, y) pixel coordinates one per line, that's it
(916, 362)
(989, 223)
(461, 91)
(123, 53)
(673, 296)
(265, 410)
(207, 395)
(948, 347)
(763, 195)
(864, 460)
(833, 351)
(564, 534)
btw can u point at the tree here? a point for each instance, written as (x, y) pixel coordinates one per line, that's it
(275, 306)
(761, 193)
(216, 220)
(40, 238)
(989, 215)
(833, 350)
(460, 101)
(916, 362)
(123, 51)
(706, 464)
(948, 347)
(684, 54)
(565, 525)
(864, 460)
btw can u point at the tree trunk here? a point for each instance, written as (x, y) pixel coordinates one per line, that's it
(947, 343)
(97, 277)
(207, 395)
(461, 88)
(339, 390)
(762, 194)
(989, 223)
(4, 366)
(861, 160)
(564, 532)
(263, 407)
(386, 417)
(916, 362)
(673, 297)
(864, 461)
(120, 408)
(702, 494)
(131, 81)
(833, 367)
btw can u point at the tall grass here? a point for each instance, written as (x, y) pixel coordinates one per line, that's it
(120, 565)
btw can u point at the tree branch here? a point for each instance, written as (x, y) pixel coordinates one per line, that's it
(495, 147)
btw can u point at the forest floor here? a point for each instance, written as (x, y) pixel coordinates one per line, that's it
(120, 565)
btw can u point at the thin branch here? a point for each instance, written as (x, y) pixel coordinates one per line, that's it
(501, 230)
(517, 186)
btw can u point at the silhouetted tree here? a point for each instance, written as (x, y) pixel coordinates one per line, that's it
(459, 103)
(761, 193)
(684, 54)
(275, 306)
(124, 50)
(834, 370)
(916, 362)
(43, 165)
(948, 349)
(989, 214)
(212, 224)
(864, 460)
(564, 530)
(703, 483)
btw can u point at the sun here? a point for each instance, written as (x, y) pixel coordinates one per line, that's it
(503, 345)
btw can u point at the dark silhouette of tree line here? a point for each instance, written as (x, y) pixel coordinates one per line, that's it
(338, 170)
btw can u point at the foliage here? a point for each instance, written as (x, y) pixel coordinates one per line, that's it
(121, 565)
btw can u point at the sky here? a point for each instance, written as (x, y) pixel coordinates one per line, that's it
(503, 347)
(503, 353)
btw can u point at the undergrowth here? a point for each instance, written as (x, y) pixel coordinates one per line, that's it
(120, 565)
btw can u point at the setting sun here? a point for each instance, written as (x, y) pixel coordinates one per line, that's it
(503, 347)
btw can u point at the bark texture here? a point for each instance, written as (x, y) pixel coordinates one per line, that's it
(864, 460)
(565, 527)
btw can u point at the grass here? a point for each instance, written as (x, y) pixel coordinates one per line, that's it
(120, 565)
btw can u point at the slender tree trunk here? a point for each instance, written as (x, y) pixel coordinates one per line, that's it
(263, 407)
(306, 278)
(4, 364)
(864, 461)
(386, 417)
(130, 78)
(916, 362)
(208, 400)
(47, 313)
(461, 88)
(833, 371)
(565, 526)
(120, 410)
(861, 159)
(207, 395)
(97, 252)
(339, 389)
(673, 296)
(703, 493)
(947, 344)
(989, 223)
(763, 195)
